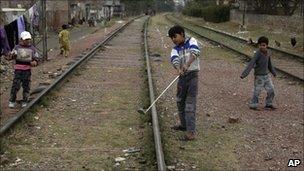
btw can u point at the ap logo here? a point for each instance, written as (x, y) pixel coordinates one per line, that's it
(294, 162)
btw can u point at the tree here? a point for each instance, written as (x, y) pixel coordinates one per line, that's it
(206, 2)
(289, 6)
(265, 7)
(286, 7)
(136, 7)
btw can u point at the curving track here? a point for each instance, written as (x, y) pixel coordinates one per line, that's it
(288, 64)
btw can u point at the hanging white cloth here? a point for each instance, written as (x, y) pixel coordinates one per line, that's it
(21, 25)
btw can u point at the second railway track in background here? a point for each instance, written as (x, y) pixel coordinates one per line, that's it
(276, 50)
(286, 63)
(93, 111)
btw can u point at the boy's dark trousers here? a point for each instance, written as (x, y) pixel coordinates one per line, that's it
(24, 78)
(186, 100)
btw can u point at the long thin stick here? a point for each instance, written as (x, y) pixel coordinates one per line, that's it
(161, 94)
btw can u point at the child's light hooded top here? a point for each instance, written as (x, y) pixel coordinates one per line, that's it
(181, 54)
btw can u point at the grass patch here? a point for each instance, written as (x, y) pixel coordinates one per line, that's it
(115, 99)
(218, 53)
(255, 32)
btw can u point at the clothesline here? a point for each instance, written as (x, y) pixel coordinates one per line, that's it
(10, 33)
(32, 14)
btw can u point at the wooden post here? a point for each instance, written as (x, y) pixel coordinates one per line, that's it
(244, 12)
(44, 26)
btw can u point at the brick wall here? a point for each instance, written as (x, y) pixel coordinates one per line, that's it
(293, 22)
(57, 13)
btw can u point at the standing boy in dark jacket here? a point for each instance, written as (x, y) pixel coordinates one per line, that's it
(261, 63)
(184, 58)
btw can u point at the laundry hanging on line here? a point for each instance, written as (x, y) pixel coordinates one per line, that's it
(20, 25)
(13, 31)
(10, 34)
(4, 45)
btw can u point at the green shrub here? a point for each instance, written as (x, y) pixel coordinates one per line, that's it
(212, 13)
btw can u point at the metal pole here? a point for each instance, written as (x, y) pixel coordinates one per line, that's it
(302, 9)
(44, 26)
(162, 93)
(244, 11)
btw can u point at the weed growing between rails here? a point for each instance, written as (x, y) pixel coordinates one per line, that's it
(148, 149)
(147, 155)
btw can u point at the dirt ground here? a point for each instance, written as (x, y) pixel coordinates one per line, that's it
(259, 140)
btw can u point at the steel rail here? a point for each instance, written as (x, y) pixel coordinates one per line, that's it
(295, 56)
(11, 121)
(156, 131)
(234, 50)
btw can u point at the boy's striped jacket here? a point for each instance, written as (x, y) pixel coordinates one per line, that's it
(181, 54)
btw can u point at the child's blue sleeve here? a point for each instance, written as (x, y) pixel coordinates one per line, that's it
(194, 49)
(175, 58)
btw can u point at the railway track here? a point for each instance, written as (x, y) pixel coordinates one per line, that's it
(92, 109)
(10, 122)
(279, 51)
(288, 64)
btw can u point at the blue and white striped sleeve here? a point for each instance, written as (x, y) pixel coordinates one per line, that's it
(175, 58)
(194, 49)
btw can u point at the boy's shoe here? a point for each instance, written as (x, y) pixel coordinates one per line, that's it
(190, 136)
(11, 104)
(178, 128)
(23, 104)
(270, 107)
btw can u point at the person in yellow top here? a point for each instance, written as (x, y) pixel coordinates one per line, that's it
(64, 40)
